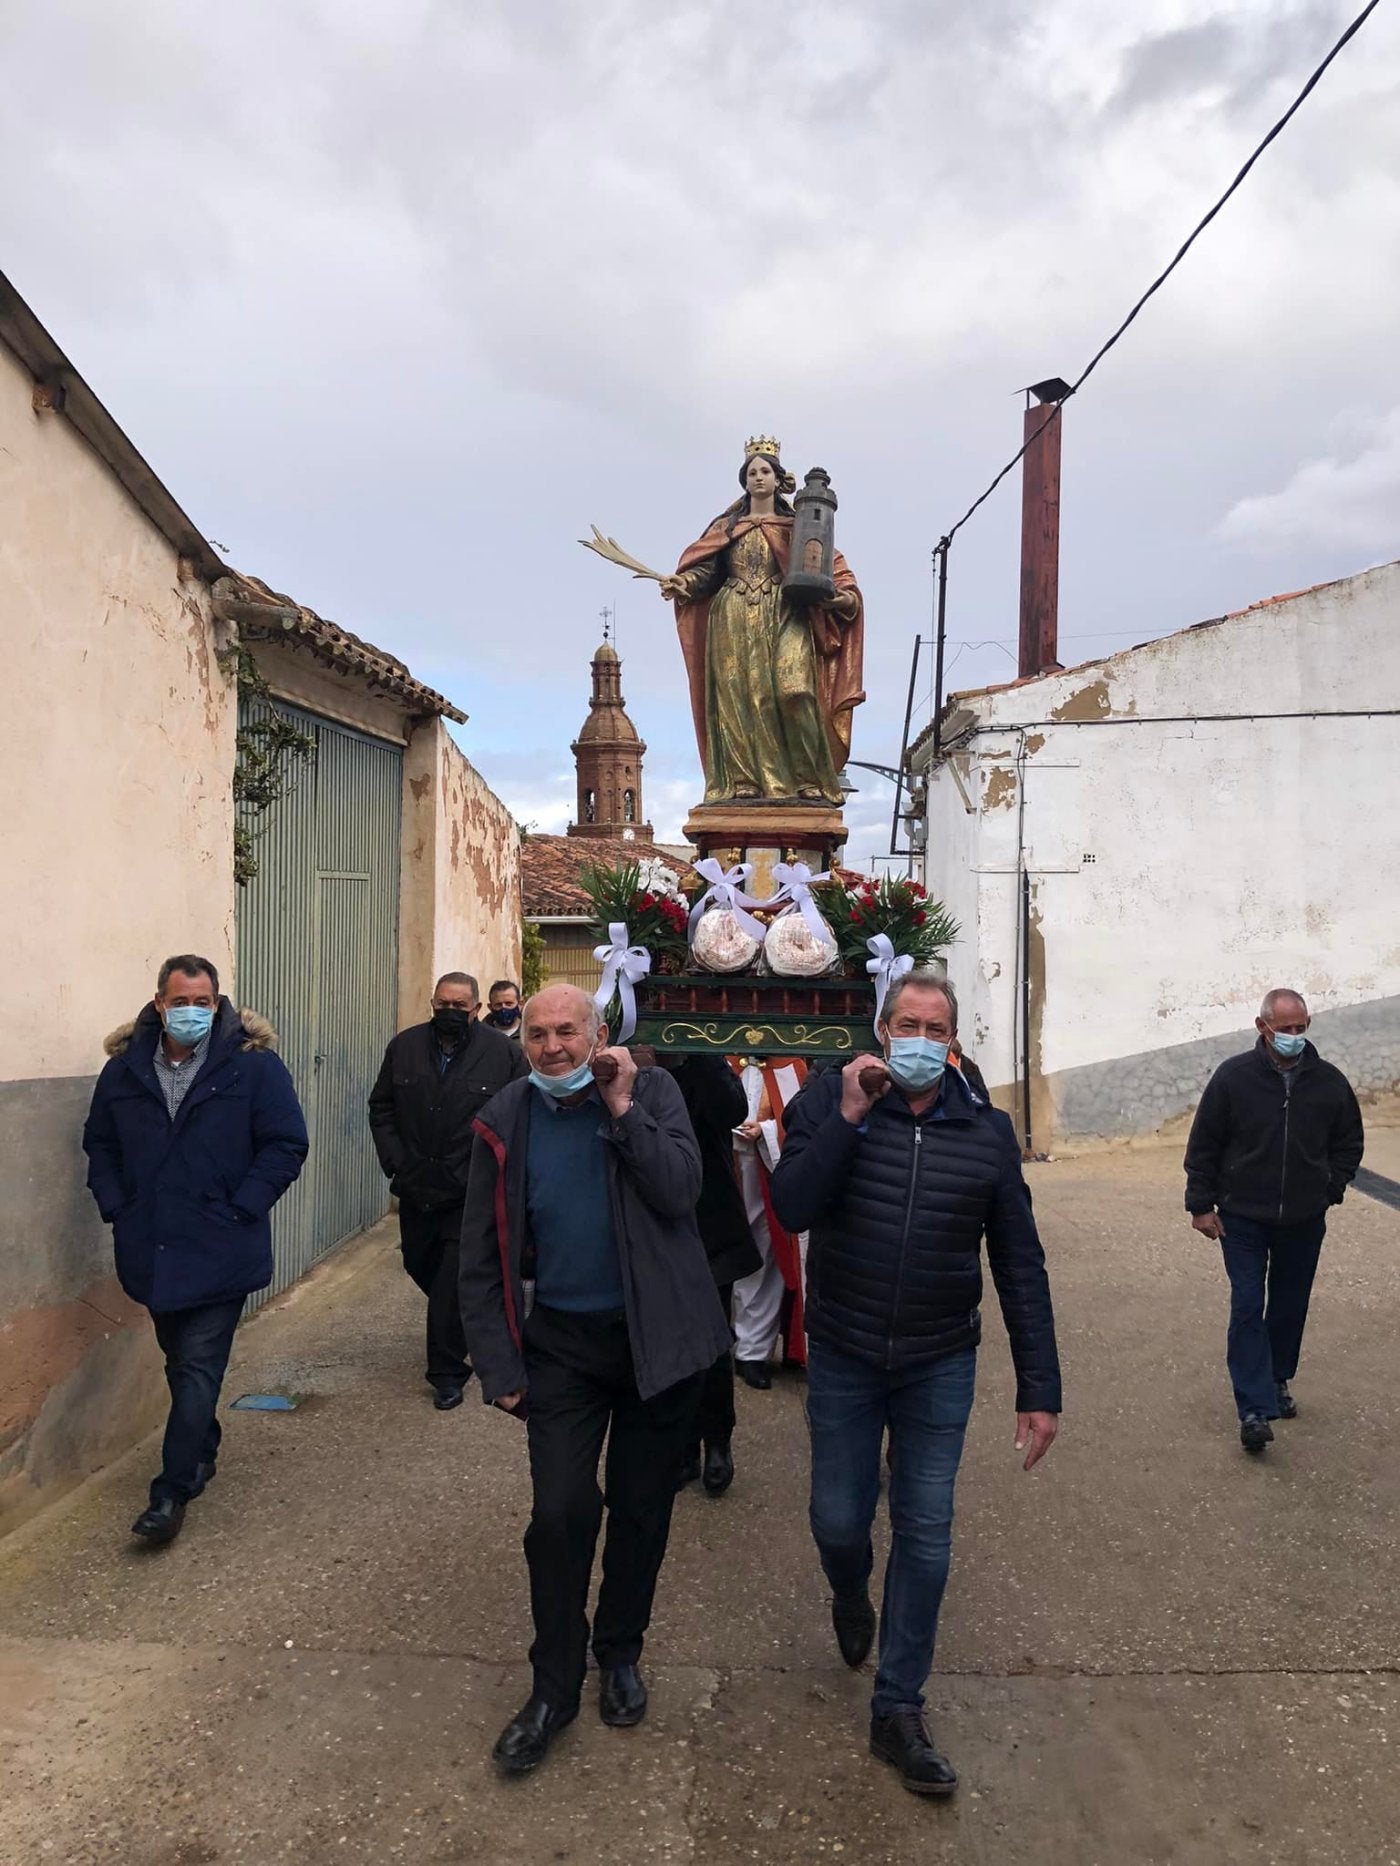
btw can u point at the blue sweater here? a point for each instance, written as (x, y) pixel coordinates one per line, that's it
(576, 1261)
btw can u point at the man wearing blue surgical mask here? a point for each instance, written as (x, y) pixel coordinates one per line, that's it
(589, 1310)
(1275, 1143)
(898, 1169)
(194, 1134)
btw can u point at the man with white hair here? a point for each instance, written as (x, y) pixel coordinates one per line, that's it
(1276, 1141)
(589, 1310)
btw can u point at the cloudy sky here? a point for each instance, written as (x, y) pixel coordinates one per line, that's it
(400, 296)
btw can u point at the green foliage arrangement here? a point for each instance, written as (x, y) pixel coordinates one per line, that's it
(899, 909)
(646, 896)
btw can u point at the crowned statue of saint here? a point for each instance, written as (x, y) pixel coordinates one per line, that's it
(774, 674)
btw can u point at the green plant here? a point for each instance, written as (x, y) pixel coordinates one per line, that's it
(267, 751)
(901, 910)
(646, 898)
(532, 958)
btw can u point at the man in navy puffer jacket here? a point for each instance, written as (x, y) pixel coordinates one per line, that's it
(898, 1179)
(194, 1134)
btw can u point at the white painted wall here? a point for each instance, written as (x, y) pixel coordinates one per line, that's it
(1229, 855)
(117, 738)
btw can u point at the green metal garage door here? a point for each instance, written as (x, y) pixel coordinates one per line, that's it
(318, 955)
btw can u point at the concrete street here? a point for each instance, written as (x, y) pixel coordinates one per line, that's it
(1154, 1649)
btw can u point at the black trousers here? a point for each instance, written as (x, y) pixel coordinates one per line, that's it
(429, 1241)
(716, 1424)
(196, 1344)
(581, 1387)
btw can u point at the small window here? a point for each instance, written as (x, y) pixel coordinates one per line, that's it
(590, 807)
(629, 806)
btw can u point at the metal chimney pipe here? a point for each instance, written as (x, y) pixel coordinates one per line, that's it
(1040, 529)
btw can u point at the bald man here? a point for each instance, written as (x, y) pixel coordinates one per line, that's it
(589, 1311)
(1275, 1143)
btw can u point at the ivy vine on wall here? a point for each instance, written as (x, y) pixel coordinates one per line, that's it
(268, 752)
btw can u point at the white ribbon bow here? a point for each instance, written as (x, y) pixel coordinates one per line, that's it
(795, 883)
(622, 966)
(726, 890)
(884, 969)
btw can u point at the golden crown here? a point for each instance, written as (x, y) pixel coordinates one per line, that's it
(762, 444)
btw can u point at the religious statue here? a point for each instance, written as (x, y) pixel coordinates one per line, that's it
(774, 676)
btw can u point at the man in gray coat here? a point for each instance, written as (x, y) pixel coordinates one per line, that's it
(589, 1310)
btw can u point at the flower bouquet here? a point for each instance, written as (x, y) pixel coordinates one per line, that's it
(646, 897)
(901, 910)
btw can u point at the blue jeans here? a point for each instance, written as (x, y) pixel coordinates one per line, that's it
(196, 1344)
(1271, 1270)
(849, 1404)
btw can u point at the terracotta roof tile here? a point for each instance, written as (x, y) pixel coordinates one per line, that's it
(549, 870)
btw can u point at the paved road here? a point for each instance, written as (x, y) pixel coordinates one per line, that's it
(1155, 1650)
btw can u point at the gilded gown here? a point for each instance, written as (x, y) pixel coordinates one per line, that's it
(764, 730)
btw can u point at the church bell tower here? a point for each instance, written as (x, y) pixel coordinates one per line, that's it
(608, 759)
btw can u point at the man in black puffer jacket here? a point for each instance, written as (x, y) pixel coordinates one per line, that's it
(435, 1079)
(898, 1178)
(1276, 1141)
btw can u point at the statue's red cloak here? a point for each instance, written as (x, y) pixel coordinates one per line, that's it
(840, 643)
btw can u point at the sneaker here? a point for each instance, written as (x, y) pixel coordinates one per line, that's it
(1287, 1405)
(1255, 1433)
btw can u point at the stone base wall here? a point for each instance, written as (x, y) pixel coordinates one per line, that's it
(1132, 1097)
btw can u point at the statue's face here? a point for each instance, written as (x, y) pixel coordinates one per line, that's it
(760, 478)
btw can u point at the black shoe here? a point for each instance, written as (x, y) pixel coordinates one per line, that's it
(854, 1620)
(719, 1469)
(1255, 1433)
(754, 1374)
(521, 1746)
(622, 1696)
(446, 1395)
(902, 1740)
(689, 1470)
(1287, 1405)
(160, 1523)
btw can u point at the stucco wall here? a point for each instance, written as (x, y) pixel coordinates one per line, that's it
(1181, 864)
(117, 749)
(460, 904)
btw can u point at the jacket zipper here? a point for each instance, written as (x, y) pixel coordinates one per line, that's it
(1283, 1168)
(904, 1240)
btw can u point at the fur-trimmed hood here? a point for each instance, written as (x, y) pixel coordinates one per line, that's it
(258, 1033)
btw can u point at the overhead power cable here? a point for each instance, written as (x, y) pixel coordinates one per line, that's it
(1181, 253)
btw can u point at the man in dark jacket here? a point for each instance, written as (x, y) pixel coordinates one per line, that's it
(194, 1134)
(1276, 1140)
(435, 1079)
(590, 1310)
(716, 1103)
(897, 1177)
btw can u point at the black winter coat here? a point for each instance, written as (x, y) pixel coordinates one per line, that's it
(675, 1324)
(1275, 1145)
(716, 1103)
(897, 1209)
(421, 1116)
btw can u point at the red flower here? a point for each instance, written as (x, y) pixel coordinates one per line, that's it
(920, 917)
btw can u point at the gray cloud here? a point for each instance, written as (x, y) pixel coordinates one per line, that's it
(400, 298)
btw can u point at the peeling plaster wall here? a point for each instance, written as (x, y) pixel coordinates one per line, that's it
(118, 747)
(1180, 868)
(460, 903)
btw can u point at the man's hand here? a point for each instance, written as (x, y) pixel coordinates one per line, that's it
(616, 1087)
(509, 1401)
(857, 1097)
(1208, 1224)
(1036, 1429)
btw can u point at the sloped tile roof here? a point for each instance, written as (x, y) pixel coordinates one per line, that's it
(549, 870)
